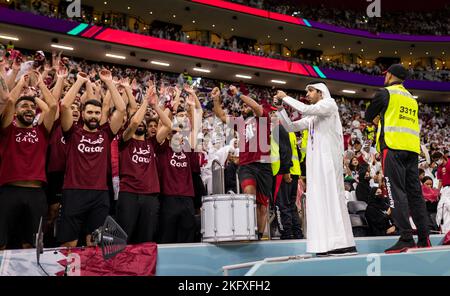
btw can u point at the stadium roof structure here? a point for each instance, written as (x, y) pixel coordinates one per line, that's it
(94, 42)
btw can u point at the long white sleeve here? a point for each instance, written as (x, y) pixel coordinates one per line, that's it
(321, 108)
(290, 126)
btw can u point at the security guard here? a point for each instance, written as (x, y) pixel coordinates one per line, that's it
(286, 171)
(399, 142)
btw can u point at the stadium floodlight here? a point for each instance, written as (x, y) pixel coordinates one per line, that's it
(349, 91)
(160, 63)
(62, 47)
(243, 76)
(278, 81)
(115, 56)
(202, 70)
(9, 37)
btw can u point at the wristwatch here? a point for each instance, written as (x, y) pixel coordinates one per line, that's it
(238, 95)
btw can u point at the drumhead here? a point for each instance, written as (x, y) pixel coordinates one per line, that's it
(225, 197)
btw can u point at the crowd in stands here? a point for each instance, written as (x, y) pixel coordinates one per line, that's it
(172, 32)
(415, 73)
(167, 94)
(402, 22)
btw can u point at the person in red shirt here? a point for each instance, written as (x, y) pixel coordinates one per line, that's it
(56, 156)
(22, 167)
(255, 171)
(443, 170)
(177, 215)
(85, 199)
(138, 204)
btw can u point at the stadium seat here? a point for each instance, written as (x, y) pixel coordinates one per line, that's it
(359, 225)
(356, 207)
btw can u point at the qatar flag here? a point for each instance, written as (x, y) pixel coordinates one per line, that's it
(134, 260)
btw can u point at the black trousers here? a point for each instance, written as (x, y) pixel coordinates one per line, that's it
(286, 210)
(177, 219)
(137, 214)
(401, 173)
(21, 209)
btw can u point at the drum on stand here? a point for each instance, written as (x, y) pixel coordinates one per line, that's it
(228, 217)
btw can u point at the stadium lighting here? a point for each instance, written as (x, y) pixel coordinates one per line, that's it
(115, 56)
(278, 81)
(349, 91)
(9, 37)
(243, 76)
(160, 63)
(202, 70)
(62, 47)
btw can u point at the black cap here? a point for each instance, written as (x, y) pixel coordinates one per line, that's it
(398, 71)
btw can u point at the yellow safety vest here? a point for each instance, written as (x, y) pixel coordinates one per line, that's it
(275, 155)
(304, 145)
(401, 121)
(371, 132)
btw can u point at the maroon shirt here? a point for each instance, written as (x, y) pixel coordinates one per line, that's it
(174, 171)
(443, 174)
(87, 157)
(195, 162)
(256, 136)
(56, 161)
(23, 152)
(137, 167)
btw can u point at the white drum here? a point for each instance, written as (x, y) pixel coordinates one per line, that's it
(228, 217)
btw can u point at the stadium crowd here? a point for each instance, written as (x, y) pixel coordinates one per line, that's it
(81, 140)
(418, 70)
(401, 22)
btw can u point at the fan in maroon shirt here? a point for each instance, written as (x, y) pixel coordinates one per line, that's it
(22, 169)
(56, 164)
(255, 172)
(138, 205)
(443, 171)
(177, 215)
(85, 197)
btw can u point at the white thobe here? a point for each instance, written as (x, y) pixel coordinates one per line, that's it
(327, 216)
(443, 210)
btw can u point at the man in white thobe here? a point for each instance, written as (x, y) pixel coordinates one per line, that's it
(329, 231)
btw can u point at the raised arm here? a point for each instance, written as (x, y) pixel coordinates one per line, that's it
(69, 98)
(61, 76)
(257, 108)
(8, 113)
(218, 111)
(196, 119)
(153, 101)
(176, 100)
(190, 90)
(135, 121)
(49, 117)
(132, 105)
(11, 78)
(119, 112)
(322, 108)
(4, 93)
(290, 126)
(106, 107)
(90, 91)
